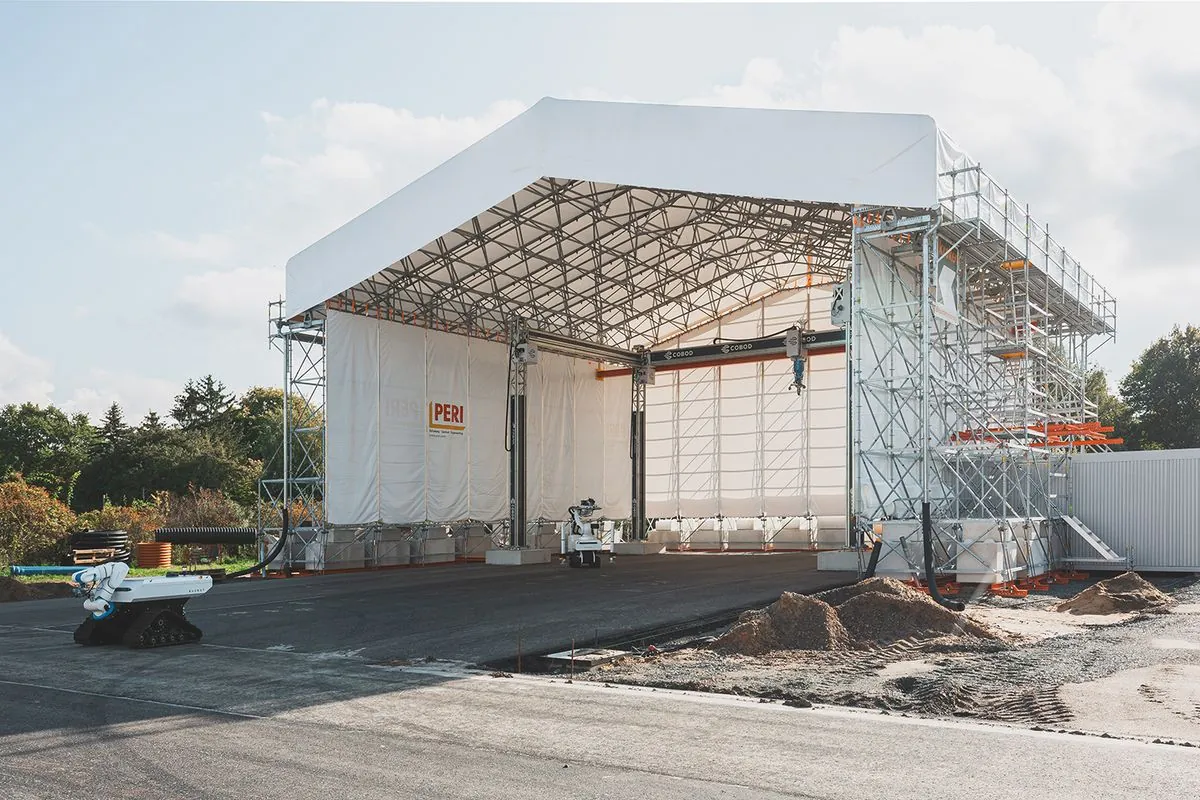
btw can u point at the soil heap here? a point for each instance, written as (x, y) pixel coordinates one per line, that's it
(874, 618)
(877, 611)
(793, 622)
(1126, 592)
(12, 589)
(835, 597)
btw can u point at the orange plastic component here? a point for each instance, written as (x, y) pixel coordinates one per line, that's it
(1037, 584)
(1007, 590)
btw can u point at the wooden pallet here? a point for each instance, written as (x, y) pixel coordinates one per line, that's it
(94, 556)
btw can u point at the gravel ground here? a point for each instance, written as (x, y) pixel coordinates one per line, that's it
(1019, 679)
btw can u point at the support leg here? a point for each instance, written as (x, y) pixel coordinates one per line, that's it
(637, 453)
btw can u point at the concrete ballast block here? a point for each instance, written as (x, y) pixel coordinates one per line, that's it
(517, 557)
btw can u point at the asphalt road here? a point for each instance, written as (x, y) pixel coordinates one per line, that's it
(473, 612)
(294, 694)
(208, 721)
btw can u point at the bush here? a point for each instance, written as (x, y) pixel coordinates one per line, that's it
(33, 525)
(139, 519)
(201, 508)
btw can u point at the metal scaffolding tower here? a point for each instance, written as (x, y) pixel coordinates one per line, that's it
(971, 335)
(300, 485)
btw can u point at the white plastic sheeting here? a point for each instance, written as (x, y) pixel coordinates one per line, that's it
(814, 156)
(737, 440)
(416, 428)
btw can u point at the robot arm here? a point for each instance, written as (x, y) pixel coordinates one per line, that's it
(99, 583)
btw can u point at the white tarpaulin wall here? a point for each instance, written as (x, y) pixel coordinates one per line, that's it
(416, 428)
(736, 440)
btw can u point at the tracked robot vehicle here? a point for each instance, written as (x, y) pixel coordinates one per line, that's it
(136, 612)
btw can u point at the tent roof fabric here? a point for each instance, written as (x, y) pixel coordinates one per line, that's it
(621, 223)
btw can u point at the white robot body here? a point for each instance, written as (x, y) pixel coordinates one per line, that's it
(140, 612)
(581, 547)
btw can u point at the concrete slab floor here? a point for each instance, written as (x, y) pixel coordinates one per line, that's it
(475, 613)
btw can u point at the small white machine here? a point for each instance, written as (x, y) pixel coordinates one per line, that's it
(579, 545)
(136, 612)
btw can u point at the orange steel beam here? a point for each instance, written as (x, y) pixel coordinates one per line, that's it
(1081, 443)
(601, 374)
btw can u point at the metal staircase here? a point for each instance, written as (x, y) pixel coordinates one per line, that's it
(1107, 554)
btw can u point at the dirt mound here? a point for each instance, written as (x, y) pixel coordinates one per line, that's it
(835, 597)
(12, 589)
(793, 622)
(1126, 592)
(872, 613)
(879, 618)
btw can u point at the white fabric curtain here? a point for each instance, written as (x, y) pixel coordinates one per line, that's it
(416, 428)
(737, 440)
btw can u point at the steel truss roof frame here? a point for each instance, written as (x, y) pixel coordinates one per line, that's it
(618, 266)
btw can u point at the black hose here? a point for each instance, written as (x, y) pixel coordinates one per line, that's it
(874, 562)
(235, 536)
(271, 556)
(930, 574)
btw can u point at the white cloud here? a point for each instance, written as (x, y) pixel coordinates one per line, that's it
(237, 295)
(1091, 146)
(319, 169)
(1074, 140)
(23, 378)
(213, 248)
(136, 394)
(764, 84)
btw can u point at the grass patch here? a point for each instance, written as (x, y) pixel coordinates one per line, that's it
(229, 565)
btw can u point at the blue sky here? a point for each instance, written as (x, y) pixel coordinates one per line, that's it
(162, 161)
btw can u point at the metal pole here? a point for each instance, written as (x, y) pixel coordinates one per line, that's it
(287, 419)
(852, 382)
(517, 443)
(927, 328)
(637, 452)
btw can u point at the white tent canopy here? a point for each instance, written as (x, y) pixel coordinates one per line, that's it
(620, 223)
(613, 226)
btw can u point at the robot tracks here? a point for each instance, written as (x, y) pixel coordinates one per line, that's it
(156, 623)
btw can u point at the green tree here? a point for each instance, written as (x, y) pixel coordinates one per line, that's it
(204, 403)
(1110, 409)
(258, 426)
(45, 445)
(1162, 391)
(113, 428)
(152, 422)
(155, 458)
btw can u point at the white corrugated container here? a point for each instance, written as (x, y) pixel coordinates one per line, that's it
(1144, 504)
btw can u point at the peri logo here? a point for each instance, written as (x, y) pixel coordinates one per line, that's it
(447, 417)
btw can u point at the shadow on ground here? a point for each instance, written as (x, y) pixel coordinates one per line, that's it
(282, 645)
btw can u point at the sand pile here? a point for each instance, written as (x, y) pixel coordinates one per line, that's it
(12, 589)
(835, 597)
(793, 622)
(1126, 592)
(879, 618)
(876, 611)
